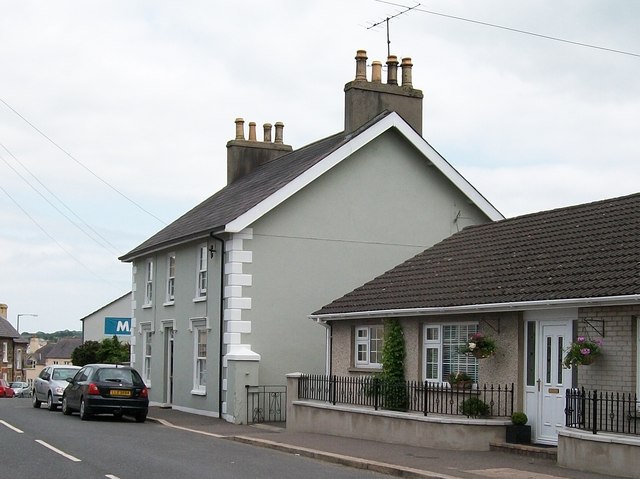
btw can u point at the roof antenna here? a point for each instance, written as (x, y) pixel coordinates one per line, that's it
(386, 20)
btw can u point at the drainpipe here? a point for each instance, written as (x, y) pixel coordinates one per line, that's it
(221, 345)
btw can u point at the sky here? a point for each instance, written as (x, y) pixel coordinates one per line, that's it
(114, 115)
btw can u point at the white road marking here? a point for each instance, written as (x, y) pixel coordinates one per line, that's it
(111, 476)
(11, 427)
(54, 449)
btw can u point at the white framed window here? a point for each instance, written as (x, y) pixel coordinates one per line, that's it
(148, 282)
(441, 356)
(171, 278)
(146, 355)
(369, 341)
(18, 358)
(199, 358)
(201, 287)
(5, 352)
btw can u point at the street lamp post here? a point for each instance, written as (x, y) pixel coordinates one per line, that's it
(23, 314)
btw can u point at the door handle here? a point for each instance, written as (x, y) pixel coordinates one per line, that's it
(538, 382)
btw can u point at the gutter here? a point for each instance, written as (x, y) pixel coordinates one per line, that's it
(489, 307)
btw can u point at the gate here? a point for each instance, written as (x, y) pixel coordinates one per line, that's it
(266, 404)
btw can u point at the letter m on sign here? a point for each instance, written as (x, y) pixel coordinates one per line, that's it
(117, 326)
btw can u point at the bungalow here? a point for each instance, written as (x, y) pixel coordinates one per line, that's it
(218, 294)
(535, 285)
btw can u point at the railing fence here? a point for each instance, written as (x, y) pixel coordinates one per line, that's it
(602, 411)
(266, 404)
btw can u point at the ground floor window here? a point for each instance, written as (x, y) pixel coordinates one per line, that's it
(442, 357)
(369, 341)
(200, 359)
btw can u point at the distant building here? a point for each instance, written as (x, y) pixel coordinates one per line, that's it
(12, 349)
(112, 319)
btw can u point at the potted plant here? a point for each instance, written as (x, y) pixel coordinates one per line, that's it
(460, 380)
(583, 352)
(518, 432)
(480, 346)
(474, 407)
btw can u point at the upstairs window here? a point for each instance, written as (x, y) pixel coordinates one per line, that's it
(171, 277)
(201, 290)
(148, 289)
(369, 341)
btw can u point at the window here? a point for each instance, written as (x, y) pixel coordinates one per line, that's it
(19, 359)
(5, 352)
(200, 360)
(148, 290)
(369, 342)
(146, 347)
(441, 357)
(202, 271)
(171, 277)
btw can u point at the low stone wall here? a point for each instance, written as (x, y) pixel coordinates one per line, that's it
(439, 432)
(603, 453)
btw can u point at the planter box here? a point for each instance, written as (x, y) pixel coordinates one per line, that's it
(520, 434)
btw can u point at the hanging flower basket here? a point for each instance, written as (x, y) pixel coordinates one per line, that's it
(582, 352)
(479, 346)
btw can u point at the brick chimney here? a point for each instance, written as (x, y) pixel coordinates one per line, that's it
(365, 99)
(244, 156)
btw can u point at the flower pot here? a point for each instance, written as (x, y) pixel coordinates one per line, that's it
(587, 360)
(518, 434)
(461, 385)
(481, 354)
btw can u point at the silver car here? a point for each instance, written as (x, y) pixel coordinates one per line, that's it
(20, 389)
(50, 384)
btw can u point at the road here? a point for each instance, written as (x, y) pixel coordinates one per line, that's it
(40, 443)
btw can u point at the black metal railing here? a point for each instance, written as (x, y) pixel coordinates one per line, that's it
(266, 404)
(411, 396)
(602, 411)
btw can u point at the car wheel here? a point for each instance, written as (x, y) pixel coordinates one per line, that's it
(51, 406)
(141, 417)
(84, 415)
(65, 406)
(35, 402)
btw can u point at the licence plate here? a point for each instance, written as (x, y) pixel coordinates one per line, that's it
(119, 392)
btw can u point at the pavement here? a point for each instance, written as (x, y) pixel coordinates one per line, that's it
(502, 462)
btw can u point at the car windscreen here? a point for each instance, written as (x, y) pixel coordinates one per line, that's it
(116, 375)
(62, 374)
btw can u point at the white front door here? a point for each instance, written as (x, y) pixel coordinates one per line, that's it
(546, 380)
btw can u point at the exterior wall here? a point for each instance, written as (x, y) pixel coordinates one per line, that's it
(93, 324)
(616, 368)
(7, 368)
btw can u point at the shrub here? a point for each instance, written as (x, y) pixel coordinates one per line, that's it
(474, 407)
(519, 418)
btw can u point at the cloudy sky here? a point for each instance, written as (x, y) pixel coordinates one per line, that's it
(114, 115)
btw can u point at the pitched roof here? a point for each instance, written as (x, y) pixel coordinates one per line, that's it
(585, 251)
(237, 205)
(7, 330)
(63, 348)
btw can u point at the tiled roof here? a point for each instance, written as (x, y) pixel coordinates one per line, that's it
(242, 195)
(6, 330)
(584, 251)
(63, 348)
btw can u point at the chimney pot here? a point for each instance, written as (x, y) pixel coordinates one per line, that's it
(392, 70)
(267, 132)
(252, 131)
(239, 129)
(279, 132)
(406, 71)
(361, 65)
(376, 72)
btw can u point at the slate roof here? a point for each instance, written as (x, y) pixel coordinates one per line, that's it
(63, 348)
(585, 251)
(7, 330)
(243, 194)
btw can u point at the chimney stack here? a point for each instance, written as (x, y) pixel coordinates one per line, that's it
(3, 310)
(244, 156)
(364, 100)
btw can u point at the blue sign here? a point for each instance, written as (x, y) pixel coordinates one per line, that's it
(117, 326)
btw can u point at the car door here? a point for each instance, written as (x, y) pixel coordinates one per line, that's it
(73, 392)
(42, 384)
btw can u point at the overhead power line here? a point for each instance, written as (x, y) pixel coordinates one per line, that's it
(140, 207)
(515, 30)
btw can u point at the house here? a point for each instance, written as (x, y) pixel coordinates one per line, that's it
(12, 350)
(534, 284)
(220, 295)
(112, 319)
(51, 353)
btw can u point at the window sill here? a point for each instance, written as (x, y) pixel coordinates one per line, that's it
(199, 299)
(168, 303)
(198, 392)
(147, 306)
(363, 369)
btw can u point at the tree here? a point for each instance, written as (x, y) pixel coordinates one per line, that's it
(86, 353)
(112, 351)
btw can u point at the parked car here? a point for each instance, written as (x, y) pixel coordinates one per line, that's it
(20, 389)
(5, 389)
(106, 389)
(50, 384)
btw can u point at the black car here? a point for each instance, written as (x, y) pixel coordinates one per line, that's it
(106, 389)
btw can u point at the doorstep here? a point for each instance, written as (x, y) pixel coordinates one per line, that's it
(531, 450)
